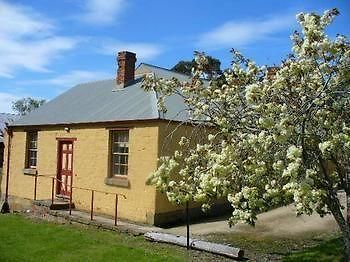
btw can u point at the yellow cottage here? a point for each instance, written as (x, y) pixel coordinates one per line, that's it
(101, 139)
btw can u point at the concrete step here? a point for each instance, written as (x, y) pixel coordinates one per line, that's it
(61, 206)
(58, 204)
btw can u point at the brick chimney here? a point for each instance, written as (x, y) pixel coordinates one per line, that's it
(126, 68)
(271, 72)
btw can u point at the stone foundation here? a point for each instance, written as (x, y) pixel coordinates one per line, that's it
(18, 204)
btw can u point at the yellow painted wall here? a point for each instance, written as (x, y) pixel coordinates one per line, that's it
(91, 168)
(169, 136)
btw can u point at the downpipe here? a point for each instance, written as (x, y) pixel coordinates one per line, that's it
(5, 206)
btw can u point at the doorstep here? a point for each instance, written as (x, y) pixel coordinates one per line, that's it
(58, 204)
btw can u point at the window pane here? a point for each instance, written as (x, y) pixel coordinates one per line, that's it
(120, 159)
(123, 170)
(64, 161)
(120, 170)
(120, 148)
(69, 162)
(32, 162)
(115, 159)
(124, 159)
(32, 154)
(32, 138)
(116, 170)
(32, 144)
(121, 136)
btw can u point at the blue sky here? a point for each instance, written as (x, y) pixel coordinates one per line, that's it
(47, 47)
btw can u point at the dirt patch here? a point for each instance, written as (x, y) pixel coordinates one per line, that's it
(276, 233)
(280, 222)
(261, 248)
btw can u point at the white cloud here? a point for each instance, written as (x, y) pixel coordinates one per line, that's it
(27, 40)
(240, 33)
(31, 55)
(77, 77)
(71, 78)
(18, 20)
(142, 50)
(101, 12)
(6, 100)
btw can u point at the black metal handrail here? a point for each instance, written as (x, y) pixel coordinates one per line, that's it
(54, 178)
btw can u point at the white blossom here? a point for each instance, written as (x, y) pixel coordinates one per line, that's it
(272, 137)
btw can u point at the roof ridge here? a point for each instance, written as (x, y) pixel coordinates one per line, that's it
(163, 68)
(93, 82)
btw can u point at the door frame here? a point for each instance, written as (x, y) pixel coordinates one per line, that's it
(60, 141)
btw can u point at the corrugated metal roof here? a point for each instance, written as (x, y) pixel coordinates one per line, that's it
(103, 101)
(6, 118)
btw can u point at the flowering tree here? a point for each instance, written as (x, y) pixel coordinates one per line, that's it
(277, 135)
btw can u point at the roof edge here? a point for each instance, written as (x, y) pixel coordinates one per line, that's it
(94, 123)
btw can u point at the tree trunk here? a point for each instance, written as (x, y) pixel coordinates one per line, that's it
(346, 238)
(334, 206)
(347, 224)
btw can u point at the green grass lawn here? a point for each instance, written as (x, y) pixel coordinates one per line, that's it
(24, 239)
(322, 247)
(330, 250)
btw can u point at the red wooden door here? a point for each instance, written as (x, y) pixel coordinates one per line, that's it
(65, 168)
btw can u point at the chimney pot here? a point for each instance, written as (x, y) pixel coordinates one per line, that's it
(271, 72)
(126, 68)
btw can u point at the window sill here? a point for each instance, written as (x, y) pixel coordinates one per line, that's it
(117, 181)
(30, 171)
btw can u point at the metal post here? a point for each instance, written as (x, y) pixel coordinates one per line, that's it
(52, 190)
(187, 226)
(70, 202)
(92, 205)
(116, 209)
(35, 186)
(70, 195)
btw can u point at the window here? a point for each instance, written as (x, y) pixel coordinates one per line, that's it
(32, 149)
(119, 152)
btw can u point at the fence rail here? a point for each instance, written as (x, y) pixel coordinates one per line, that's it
(93, 191)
